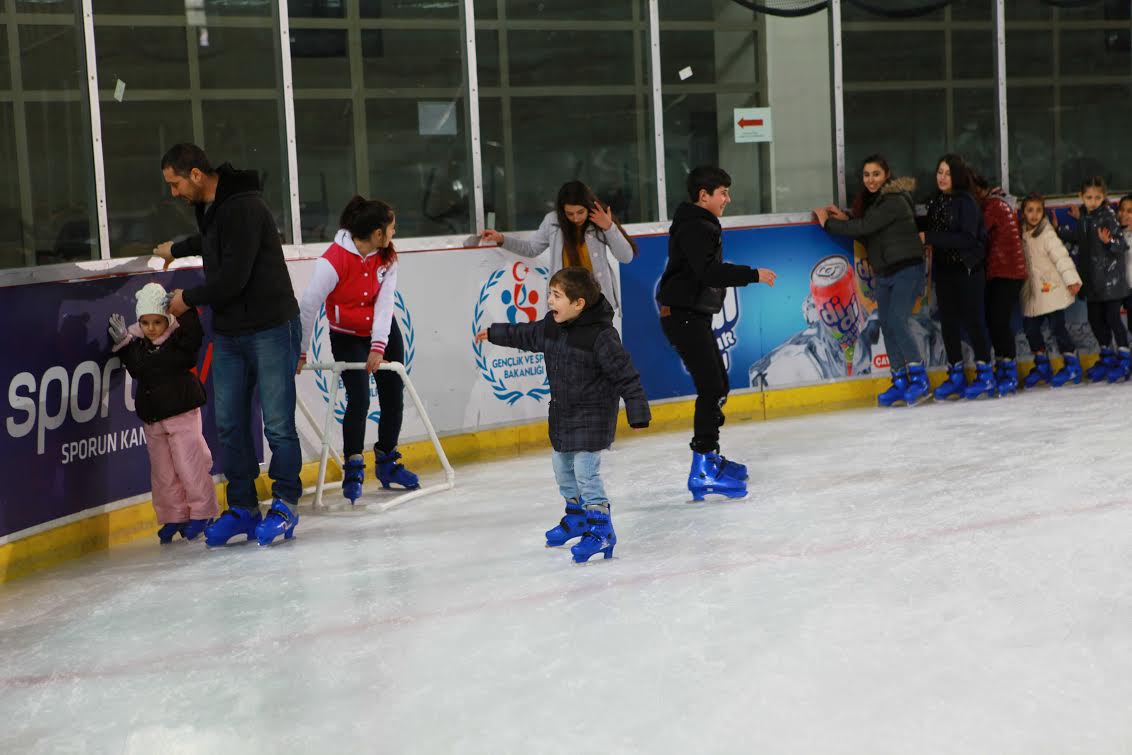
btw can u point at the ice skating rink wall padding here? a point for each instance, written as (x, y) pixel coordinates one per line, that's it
(75, 468)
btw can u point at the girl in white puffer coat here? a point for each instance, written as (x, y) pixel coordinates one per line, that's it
(1050, 289)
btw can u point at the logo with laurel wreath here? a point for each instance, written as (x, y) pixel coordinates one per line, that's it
(512, 295)
(321, 377)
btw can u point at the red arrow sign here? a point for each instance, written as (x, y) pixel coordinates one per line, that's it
(745, 122)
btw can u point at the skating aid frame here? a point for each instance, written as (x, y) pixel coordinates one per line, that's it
(337, 368)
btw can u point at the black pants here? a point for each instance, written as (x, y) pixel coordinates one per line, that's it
(390, 392)
(690, 334)
(961, 294)
(1002, 301)
(1105, 322)
(1056, 320)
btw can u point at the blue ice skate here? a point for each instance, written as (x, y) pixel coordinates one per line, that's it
(1070, 373)
(571, 526)
(728, 468)
(280, 520)
(353, 475)
(919, 389)
(705, 479)
(895, 395)
(1099, 371)
(1121, 368)
(599, 536)
(232, 523)
(392, 472)
(1042, 372)
(983, 384)
(955, 386)
(1006, 376)
(168, 531)
(194, 528)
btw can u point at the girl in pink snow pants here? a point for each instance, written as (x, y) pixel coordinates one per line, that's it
(159, 352)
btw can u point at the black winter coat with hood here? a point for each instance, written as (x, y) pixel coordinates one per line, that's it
(886, 228)
(589, 371)
(163, 369)
(245, 276)
(696, 275)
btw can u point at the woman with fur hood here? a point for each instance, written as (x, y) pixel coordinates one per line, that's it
(1050, 288)
(884, 221)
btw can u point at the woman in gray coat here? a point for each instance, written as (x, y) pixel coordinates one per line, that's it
(884, 221)
(580, 232)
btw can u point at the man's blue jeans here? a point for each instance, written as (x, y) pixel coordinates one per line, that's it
(265, 360)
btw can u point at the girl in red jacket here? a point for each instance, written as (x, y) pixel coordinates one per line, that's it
(357, 281)
(1006, 273)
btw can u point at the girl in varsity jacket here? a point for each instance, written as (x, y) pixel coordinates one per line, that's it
(357, 281)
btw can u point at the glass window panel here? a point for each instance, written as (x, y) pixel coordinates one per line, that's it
(565, 123)
(592, 138)
(320, 59)
(976, 129)
(1029, 53)
(700, 51)
(1095, 144)
(237, 58)
(142, 57)
(316, 8)
(1027, 10)
(418, 163)
(412, 58)
(1031, 143)
(575, 10)
(556, 57)
(62, 7)
(911, 142)
(12, 246)
(161, 107)
(62, 182)
(406, 9)
(5, 68)
(51, 57)
(1089, 53)
(142, 212)
(327, 164)
(972, 54)
(867, 56)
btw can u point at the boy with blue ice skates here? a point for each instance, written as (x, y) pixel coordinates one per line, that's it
(690, 293)
(589, 373)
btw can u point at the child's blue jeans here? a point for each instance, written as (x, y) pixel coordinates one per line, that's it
(578, 474)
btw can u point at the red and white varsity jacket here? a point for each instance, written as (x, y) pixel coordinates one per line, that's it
(358, 293)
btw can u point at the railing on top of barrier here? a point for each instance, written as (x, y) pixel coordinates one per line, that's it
(327, 447)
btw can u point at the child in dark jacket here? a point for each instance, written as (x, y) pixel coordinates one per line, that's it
(1104, 280)
(690, 293)
(589, 373)
(954, 229)
(160, 352)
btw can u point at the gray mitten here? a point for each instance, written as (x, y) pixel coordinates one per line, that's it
(117, 329)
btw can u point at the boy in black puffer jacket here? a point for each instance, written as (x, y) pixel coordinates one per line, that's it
(589, 373)
(160, 353)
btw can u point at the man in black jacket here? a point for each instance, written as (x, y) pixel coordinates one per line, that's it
(690, 292)
(255, 319)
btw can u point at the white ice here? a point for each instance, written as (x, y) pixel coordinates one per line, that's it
(946, 579)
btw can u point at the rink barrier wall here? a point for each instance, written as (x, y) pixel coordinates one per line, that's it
(56, 546)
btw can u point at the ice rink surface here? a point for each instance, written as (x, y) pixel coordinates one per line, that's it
(940, 580)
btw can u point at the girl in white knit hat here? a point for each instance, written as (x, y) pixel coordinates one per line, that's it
(160, 352)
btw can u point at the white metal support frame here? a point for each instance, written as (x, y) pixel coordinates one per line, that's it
(473, 79)
(95, 110)
(657, 109)
(289, 122)
(1000, 91)
(323, 430)
(837, 74)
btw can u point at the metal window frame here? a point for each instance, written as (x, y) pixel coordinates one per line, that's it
(657, 110)
(472, 78)
(95, 110)
(289, 122)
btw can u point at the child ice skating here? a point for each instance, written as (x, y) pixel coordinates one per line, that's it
(691, 291)
(357, 280)
(160, 352)
(589, 373)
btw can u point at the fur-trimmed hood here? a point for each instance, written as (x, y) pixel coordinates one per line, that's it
(898, 184)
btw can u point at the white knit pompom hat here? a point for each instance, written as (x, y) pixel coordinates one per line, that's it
(151, 301)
